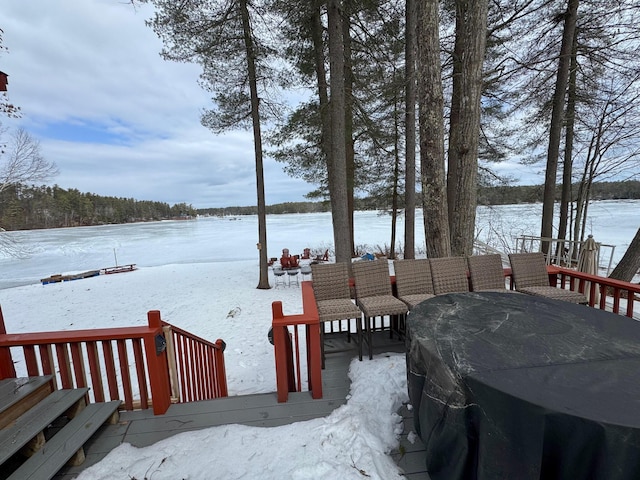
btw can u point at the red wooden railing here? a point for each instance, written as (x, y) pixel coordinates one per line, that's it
(294, 335)
(131, 364)
(612, 293)
(196, 366)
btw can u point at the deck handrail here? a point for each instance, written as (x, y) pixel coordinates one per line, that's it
(196, 366)
(288, 370)
(607, 288)
(79, 358)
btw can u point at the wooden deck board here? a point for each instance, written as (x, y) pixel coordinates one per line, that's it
(64, 444)
(35, 420)
(17, 395)
(142, 428)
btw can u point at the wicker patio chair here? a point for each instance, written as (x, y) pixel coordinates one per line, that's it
(413, 281)
(375, 299)
(449, 275)
(486, 273)
(333, 299)
(530, 276)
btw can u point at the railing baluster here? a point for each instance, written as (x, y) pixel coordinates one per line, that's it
(140, 372)
(197, 368)
(206, 372)
(63, 365)
(298, 366)
(189, 369)
(46, 359)
(110, 369)
(33, 370)
(79, 372)
(203, 371)
(124, 374)
(209, 377)
(95, 371)
(616, 300)
(181, 361)
(197, 360)
(603, 297)
(186, 389)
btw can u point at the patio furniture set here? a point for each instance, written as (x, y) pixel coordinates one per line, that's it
(371, 297)
(290, 268)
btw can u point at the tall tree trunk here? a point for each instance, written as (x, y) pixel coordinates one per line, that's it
(557, 120)
(321, 75)
(567, 165)
(431, 111)
(581, 195)
(257, 145)
(348, 119)
(337, 159)
(453, 157)
(410, 132)
(629, 264)
(473, 29)
(396, 178)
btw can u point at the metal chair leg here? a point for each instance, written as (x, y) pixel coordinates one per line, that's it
(360, 337)
(370, 335)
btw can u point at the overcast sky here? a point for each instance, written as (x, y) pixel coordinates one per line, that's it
(116, 118)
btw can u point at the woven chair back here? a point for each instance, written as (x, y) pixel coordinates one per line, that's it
(330, 281)
(486, 272)
(529, 269)
(449, 275)
(413, 277)
(372, 278)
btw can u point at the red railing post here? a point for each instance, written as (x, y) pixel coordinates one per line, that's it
(285, 379)
(157, 364)
(221, 372)
(314, 362)
(7, 370)
(314, 350)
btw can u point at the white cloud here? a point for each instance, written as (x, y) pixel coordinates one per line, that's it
(116, 118)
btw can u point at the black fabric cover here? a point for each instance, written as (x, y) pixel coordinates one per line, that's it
(512, 386)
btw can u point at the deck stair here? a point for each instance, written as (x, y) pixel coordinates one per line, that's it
(42, 429)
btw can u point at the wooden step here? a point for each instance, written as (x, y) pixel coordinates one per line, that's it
(68, 442)
(17, 395)
(32, 423)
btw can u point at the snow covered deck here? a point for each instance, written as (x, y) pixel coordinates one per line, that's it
(141, 428)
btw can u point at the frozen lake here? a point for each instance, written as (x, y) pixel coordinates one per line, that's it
(212, 239)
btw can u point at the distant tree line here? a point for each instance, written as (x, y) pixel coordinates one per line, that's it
(502, 195)
(509, 195)
(31, 207)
